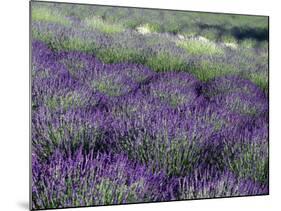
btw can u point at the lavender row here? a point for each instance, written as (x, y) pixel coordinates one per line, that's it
(86, 180)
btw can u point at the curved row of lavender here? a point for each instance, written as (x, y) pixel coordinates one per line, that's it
(122, 133)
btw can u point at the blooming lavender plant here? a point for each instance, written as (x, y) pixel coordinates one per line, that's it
(175, 89)
(69, 131)
(78, 179)
(210, 183)
(246, 152)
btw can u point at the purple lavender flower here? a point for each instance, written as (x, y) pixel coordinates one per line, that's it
(70, 130)
(162, 136)
(245, 152)
(210, 183)
(175, 89)
(84, 180)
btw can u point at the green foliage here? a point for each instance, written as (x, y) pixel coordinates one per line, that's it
(71, 100)
(228, 39)
(77, 44)
(45, 37)
(112, 193)
(69, 44)
(163, 62)
(241, 107)
(248, 43)
(249, 163)
(114, 55)
(200, 47)
(48, 15)
(207, 70)
(175, 156)
(261, 79)
(103, 26)
(172, 26)
(173, 99)
(115, 20)
(109, 86)
(73, 66)
(211, 34)
(55, 137)
(148, 28)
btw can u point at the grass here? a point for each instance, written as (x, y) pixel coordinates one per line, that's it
(207, 70)
(103, 26)
(114, 55)
(163, 62)
(69, 44)
(228, 39)
(261, 79)
(45, 37)
(48, 15)
(148, 28)
(248, 43)
(76, 44)
(211, 34)
(198, 47)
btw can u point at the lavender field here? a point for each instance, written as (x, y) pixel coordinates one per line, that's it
(138, 105)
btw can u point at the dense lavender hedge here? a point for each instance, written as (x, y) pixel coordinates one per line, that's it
(120, 116)
(78, 179)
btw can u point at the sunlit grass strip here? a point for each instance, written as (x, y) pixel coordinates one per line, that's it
(164, 62)
(103, 26)
(77, 44)
(207, 70)
(114, 55)
(248, 43)
(261, 79)
(45, 37)
(200, 47)
(148, 28)
(69, 44)
(47, 15)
